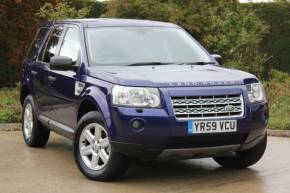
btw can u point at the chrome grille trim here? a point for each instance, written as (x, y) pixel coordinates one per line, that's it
(207, 107)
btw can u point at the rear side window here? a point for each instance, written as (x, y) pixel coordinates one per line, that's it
(32, 52)
(71, 45)
(50, 49)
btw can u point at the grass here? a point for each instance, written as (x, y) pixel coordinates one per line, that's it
(10, 109)
(278, 92)
(280, 114)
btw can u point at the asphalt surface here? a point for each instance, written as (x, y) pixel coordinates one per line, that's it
(52, 170)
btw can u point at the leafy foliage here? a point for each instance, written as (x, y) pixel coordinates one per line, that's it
(224, 27)
(236, 31)
(18, 25)
(278, 92)
(276, 43)
(61, 11)
(96, 8)
(7, 72)
(139, 9)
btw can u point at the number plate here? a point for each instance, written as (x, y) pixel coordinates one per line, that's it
(223, 126)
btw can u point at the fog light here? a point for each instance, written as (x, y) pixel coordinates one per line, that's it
(137, 124)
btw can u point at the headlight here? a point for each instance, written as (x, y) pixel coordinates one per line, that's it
(256, 92)
(136, 96)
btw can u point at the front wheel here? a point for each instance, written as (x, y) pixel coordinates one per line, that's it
(245, 158)
(92, 150)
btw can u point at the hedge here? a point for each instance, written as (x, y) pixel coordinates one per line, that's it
(14, 15)
(277, 43)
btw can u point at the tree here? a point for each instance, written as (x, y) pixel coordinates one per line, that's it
(276, 43)
(62, 10)
(17, 28)
(236, 32)
(96, 8)
(222, 26)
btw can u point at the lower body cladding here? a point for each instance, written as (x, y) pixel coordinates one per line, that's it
(156, 134)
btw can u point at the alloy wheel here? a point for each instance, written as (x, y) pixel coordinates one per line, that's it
(28, 121)
(94, 146)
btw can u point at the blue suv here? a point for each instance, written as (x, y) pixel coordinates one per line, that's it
(124, 89)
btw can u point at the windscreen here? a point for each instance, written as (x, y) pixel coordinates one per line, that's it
(129, 45)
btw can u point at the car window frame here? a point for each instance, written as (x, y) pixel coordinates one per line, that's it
(67, 26)
(40, 43)
(44, 46)
(90, 62)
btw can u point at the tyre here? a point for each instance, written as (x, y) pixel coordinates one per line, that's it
(35, 135)
(245, 158)
(92, 150)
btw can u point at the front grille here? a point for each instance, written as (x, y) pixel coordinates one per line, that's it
(198, 107)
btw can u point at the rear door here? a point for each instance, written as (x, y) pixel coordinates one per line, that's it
(31, 66)
(62, 84)
(40, 70)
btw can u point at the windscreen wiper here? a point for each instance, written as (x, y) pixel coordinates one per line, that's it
(149, 64)
(196, 63)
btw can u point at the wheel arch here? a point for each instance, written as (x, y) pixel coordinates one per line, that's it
(86, 105)
(94, 100)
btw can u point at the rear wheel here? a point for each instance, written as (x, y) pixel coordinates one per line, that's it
(35, 135)
(245, 158)
(93, 153)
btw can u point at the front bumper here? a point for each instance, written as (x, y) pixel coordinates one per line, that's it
(163, 136)
(139, 151)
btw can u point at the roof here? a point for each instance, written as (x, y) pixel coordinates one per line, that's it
(111, 22)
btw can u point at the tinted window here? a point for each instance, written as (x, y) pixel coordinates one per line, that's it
(50, 49)
(71, 45)
(36, 43)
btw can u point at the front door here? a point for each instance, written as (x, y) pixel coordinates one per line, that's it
(62, 83)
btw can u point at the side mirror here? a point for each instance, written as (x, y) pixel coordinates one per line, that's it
(62, 63)
(218, 58)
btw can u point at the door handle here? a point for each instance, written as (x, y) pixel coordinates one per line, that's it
(34, 72)
(51, 78)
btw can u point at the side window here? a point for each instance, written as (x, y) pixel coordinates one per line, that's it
(31, 54)
(49, 50)
(71, 45)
